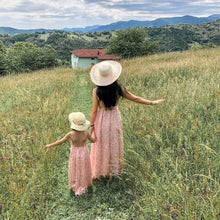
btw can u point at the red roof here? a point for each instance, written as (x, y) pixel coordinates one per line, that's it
(95, 53)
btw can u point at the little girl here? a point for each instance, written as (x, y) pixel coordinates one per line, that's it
(80, 174)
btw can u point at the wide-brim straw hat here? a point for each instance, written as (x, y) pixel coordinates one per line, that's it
(105, 73)
(78, 121)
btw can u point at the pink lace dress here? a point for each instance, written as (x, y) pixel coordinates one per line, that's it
(107, 151)
(80, 174)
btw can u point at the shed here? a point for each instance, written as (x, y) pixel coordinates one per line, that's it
(87, 57)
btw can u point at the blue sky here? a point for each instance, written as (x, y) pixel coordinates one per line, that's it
(57, 14)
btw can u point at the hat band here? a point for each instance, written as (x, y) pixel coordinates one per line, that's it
(105, 74)
(76, 123)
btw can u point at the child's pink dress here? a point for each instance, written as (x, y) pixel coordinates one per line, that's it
(80, 175)
(107, 151)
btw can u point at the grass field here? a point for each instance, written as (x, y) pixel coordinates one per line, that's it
(171, 151)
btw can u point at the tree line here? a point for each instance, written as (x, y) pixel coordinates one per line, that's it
(29, 52)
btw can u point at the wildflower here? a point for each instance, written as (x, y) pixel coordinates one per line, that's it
(183, 146)
(26, 156)
(0, 207)
(207, 107)
(5, 155)
(127, 179)
(168, 207)
(11, 170)
(159, 153)
(175, 214)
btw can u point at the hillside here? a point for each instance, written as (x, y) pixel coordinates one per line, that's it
(13, 31)
(181, 36)
(171, 151)
(178, 37)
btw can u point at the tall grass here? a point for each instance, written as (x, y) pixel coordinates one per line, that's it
(34, 109)
(171, 151)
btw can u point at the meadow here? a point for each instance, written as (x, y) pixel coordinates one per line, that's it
(171, 151)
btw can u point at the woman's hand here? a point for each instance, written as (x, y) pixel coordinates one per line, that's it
(159, 101)
(92, 129)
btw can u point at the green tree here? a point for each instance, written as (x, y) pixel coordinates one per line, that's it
(2, 59)
(131, 43)
(47, 57)
(21, 57)
(26, 57)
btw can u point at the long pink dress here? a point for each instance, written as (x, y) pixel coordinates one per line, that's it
(107, 151)
(80, 173)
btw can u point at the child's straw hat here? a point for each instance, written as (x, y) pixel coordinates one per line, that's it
(105, 73)
(78, 121)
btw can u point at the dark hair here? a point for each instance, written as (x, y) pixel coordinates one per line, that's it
(109, 94)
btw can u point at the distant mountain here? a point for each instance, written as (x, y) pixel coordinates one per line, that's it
(157, 23)
(82, 30)
(13, 31)
(121, 25)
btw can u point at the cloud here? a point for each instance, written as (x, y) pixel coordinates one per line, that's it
(79, 13)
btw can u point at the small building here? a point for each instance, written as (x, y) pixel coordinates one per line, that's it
(87, 57)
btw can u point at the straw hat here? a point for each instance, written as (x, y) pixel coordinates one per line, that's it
(105, 72)
(78, 121)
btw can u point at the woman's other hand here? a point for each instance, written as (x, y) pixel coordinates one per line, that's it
(159, 101)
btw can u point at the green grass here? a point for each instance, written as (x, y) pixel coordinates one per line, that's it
(171, 151)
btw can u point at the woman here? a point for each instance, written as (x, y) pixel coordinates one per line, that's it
(107, 151)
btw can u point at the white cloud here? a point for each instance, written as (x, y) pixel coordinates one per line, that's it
(79, 13)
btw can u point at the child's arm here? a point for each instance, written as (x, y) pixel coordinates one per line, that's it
(59, 141)
(128, 95)
(92, 138)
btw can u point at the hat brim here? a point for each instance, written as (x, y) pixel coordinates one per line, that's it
(100, 80)
(80, 127)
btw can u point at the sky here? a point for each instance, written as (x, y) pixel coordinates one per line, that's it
(58, 14)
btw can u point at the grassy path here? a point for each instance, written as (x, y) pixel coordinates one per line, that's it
(105, 199)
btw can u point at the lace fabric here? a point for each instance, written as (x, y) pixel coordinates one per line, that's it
(107, 151)
(79, 172)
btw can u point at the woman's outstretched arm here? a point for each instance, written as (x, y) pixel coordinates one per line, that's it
(128, 95)
(67, 136)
